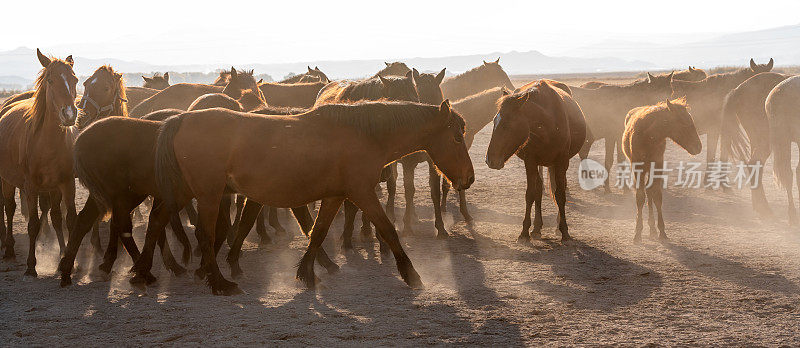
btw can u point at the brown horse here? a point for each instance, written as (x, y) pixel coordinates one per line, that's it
(158, 81)
(222, 79)
(180, 96)
(36, 152)
(744, 108)
(350, 143)
(691, 74)
(481, 78)
(544, 126)
(296, 95)
(393, 69)
(707, 96)
(477, 110)
(605, 108)
(781, 105)
(313, 75)
(644, 141)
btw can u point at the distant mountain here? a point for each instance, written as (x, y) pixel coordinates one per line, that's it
(782, 43)
(20, 65)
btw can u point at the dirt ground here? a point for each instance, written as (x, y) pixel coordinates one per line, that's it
(725, 277)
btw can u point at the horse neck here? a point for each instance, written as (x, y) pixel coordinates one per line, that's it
(477, 112)
(402, 142)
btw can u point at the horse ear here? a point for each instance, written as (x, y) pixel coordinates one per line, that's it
(440, 76)
(670, 75)
(690, 68)
(505, 91)
(42, 58)
(145, 78)
(387, 63)
(753, 65)
(69, 60)
(233, 73)
(166, 76)
(669, 105)
(410, 74)
(650, 77)
(770, 64)
(309, 69)
(497, 61)
(415, 73)
(484, 62)
(260, 81)
(444, 108)
(317, 68)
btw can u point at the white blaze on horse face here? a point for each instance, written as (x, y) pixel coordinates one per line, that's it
(496, 121)
(66, 84)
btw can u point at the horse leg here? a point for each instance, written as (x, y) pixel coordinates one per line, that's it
(558, 184)
(640, 198)
(223, 225)
(85, 220)
(303, 217)
(366, 228)
(587, 145)
(34, 226)
(236, 220)
(609, 162)
(96, 245)
(369, 204)
(759, 199)
(68, 197)
(159, 217)
(410, 217)
(55, 216)
(274, 222)
(651, 218)
(436, 196)
(250, 211)
(445, 191)
(325, 215)
(180, 233)
(350, 211)
(166, 256)
(391, 192)
(191, 213)
(261, 229)
(654, 195)
(462, 205)
(209, 207)
(10, 207)
(113, 243)
(533, 194)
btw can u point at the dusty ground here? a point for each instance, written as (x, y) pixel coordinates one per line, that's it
(726, 277)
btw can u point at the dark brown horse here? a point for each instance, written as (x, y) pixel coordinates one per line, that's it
(707, 96)
(605, 108)
(313, 75)
(296, 95)
(744, 109)
(781, 105)
(476, 80)
(181, 95)
(36, 152)
(350, 143)
(644, 141)
(544, 126)
(477, 110)
(393, 69)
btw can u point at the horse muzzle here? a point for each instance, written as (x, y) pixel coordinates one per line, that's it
(494, 163)
(463, 185)
(67, 115)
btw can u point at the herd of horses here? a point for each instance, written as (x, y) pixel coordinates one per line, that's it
(197, 149)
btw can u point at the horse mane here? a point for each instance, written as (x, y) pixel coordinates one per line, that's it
(377, 119)
(662, 106)
(36, 114)
(369, 89)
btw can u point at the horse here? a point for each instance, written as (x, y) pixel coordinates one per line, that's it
(644, 141)
(351, 143)
(477, 111)
(296, 95)
(781, 106)
(543, 126)
(707, 96)
(158, 81)
(690, 74)
(605, 108)
(393, 69)
(313, 75)
(483, 77)
(180, 96)
(743, 108)
(36, 152)
(222, 78)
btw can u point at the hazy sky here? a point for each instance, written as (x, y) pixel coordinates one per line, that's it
(172, 32)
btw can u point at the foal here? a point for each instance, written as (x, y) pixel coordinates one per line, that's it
(644, 141)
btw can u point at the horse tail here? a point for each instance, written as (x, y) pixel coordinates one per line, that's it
(92, 181)
(169, 178)
(781, 143)
(733, 141)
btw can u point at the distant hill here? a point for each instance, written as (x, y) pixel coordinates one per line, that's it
(782, 43)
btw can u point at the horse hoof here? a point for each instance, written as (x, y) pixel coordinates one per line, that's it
(200, 273)
(565, 238)
(663, 238)
(524, 239)
(236, 272)
(332, 269)
(146, 278)
(442, 235)
(226, 288)
(413, 280)
(347, 246)
(264, 242)
(637, 239)
(178, 270)
(30, 272)
(105, 268)
(66, 281)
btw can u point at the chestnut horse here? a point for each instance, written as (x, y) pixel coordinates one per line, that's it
(744, 109)
(477, 110)
(605, 108)
(313, 75)
(644, 141)
(296, 95)
(36, 152)
(476, 80)
(393, 69)
(781, 105)
(210, 150)
(158, 81)
(544, 126)
(222, 78)
(181, 95)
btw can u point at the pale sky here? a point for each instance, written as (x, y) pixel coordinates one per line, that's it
(232, 31)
